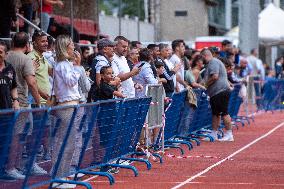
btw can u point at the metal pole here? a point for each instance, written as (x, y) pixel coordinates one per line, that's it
(119, 16)
(138, 22)
(41, 14)
(72, 19)
(98, 19)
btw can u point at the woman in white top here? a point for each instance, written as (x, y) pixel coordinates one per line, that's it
(66, 79)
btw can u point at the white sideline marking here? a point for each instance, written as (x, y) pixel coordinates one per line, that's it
(229, 157)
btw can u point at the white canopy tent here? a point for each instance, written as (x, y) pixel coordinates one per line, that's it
(270, 25)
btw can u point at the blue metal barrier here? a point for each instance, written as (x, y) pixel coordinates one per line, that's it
(115, 136)
(273, 95)
(173, 117)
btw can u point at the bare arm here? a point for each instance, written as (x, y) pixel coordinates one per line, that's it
(14, 94)
(31, 81)
(213, 78)
(98, 79)
(182, 82)
(118, 94)
(132, 73)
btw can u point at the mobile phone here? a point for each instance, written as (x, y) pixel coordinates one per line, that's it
(141, 65)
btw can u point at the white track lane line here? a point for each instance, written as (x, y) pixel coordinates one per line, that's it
(229, 157)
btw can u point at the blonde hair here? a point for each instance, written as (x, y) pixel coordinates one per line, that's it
(61, 45)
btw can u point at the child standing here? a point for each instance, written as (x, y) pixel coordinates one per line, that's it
(106, 90)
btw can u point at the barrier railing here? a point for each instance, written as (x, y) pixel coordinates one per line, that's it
(90, 139)
(273, 95)
(114, 127)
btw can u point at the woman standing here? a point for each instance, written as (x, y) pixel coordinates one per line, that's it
(66, 90)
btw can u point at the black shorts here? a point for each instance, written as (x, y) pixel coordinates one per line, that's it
(220, 102)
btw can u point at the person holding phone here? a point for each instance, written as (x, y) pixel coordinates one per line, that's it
(121, 68)
(146, 75)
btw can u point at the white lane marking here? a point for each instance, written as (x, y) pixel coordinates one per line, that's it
(229, 157)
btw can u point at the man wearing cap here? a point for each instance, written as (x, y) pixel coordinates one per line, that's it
(104, 58)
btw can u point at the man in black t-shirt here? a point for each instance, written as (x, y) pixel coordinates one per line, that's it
(8, 84)
(8, 99)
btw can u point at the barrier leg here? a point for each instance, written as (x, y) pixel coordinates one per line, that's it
(144, 154)
(104, 174)
(190, 146)
(125, 167)
(190, 138)
(84, 184)
(149, 165)
(177, 147)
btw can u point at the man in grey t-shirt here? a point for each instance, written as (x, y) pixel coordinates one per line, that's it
(218, 89)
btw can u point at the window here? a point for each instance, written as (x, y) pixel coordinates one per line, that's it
(180, 13)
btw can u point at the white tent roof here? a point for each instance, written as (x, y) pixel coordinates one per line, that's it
(270, 24)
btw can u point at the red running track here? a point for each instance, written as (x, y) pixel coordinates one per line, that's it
(257, 161)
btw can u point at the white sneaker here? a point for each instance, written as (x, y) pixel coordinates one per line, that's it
(64, 185)
(228, 137)
(37, 170)
(15, 174)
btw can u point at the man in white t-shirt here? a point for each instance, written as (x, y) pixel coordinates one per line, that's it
(178, 47)
(121, 68)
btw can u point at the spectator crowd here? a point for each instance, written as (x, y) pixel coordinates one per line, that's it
(48, 72)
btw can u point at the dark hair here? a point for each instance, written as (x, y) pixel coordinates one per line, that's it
(152, 46)
(135, 43)
(188, 53)
(226, 42)
(37, 34)
(104, 69)
(50, 40)
(225, 61)
(214, 50)
(3, 43)
(121, 38)
(252, 50)
(158, 63)
(144, 55)
(176, 43)
(20, 39)
(84, 48)
(195, 60)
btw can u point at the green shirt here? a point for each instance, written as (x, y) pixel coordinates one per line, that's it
(189, 77)
(41, 74)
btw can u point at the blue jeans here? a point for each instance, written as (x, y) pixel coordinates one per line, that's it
(186, 118)
(45, 19)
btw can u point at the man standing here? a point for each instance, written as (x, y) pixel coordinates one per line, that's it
(169, 72)
(26, 81)
(178, 47)
(121, 68)
(218, 89)
(133, 57)
(8, 84)
(104, 58)
(23, 66)
(42, 68)
(8, 99)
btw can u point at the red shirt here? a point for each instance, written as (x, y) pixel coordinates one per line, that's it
(47, 8)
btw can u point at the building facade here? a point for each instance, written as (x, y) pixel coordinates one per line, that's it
(185, 19)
